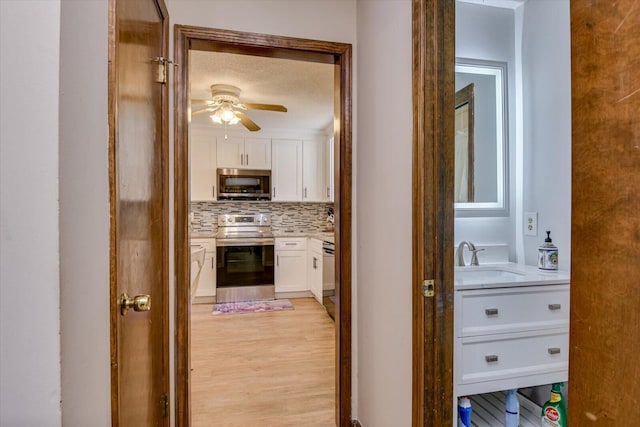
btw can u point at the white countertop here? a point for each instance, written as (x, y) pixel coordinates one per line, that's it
(320, 235)
(503, 275)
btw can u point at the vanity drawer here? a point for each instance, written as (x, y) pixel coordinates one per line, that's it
(512, 355)
(504, 310)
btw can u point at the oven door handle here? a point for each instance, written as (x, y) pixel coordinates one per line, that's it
(245, 242)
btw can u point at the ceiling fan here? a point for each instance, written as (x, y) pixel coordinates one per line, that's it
(226, 108)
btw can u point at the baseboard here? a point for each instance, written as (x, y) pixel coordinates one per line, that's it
(300, 294)
(356, 423)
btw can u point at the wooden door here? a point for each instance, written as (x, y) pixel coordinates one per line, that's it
(433, 189)
(139, 212)
(605, 235)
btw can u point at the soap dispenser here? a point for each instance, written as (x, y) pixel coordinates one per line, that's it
(548, 255)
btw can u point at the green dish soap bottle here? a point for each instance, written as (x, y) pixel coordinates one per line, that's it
(554, 412)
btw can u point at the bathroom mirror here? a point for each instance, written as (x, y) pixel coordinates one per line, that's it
(481, 138)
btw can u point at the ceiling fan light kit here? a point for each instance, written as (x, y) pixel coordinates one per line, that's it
(227, 109)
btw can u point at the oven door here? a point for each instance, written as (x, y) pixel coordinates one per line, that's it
(244, 263)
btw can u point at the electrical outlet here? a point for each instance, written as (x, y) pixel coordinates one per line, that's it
(531, 223)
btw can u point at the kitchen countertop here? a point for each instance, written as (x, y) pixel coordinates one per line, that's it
(321, 235)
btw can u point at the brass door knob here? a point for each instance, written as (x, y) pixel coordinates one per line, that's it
(138, 303)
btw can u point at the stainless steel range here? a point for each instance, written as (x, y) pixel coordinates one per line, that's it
(245, 258)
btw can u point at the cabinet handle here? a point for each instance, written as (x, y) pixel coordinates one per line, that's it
(328, 193)
(490, 358)
(315, 260)
(213, 191)
(491, 311)
(247, 159)
(242, 159)
(555, 306)
(305, 192)
(277, 260)
(212, 267)
(290, 244)
(274, 192)
(554, 350)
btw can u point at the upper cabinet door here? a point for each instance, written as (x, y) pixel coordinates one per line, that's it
(241, 153)
(313, 160)
(257, 153)
(203, 165)
(231, 153)
(328, 171)
(286, 171)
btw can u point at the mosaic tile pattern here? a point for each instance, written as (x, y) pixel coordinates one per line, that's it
(306, 217)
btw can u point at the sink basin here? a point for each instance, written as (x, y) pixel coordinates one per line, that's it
(505, 275)
(491, 274)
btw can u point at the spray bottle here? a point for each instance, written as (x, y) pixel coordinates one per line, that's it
(554, 412)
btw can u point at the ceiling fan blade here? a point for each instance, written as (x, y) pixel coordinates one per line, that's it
(247, 122)
(200, 101)
(204, 110)
(268, 107)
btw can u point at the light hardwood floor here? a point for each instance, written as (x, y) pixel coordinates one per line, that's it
(265, 369)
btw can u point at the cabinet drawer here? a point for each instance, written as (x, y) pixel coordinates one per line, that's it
(291, 244)
(512, 355)
(493, 311)
(207, 243)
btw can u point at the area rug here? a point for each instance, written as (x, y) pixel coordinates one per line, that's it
(251, 307)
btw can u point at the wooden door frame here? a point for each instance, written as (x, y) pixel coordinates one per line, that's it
(112, 120)
(199, 38)
(433, 213)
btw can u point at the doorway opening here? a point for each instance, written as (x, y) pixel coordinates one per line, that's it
(196, 39)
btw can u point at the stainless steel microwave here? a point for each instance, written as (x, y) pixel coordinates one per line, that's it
(244, 184)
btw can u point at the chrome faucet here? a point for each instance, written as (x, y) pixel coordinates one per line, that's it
(460, 259)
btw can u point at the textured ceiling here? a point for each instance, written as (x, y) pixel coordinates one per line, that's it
(305, 88)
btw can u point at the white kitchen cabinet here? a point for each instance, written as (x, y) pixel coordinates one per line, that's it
(207, 283)
(329, 170)
(511, 337)
(313, 171)
(286, 170)
(314, 269)
(291, 264)
(203, 165)
(244, 153)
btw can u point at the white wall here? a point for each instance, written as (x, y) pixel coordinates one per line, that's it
(488, 33)
(546, 69)
(384, 212)
(29, 272)
(84, 214)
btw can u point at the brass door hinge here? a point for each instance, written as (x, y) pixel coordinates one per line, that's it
(428, 288)
(164, 406)
(162, 75)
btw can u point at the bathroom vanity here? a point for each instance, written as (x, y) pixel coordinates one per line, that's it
(511, 325)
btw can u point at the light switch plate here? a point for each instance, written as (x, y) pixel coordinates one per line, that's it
(531, 223)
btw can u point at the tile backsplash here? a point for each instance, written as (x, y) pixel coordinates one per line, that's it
(284, 216)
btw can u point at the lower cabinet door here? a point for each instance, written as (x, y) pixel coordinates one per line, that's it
(207, 282)
(291, 271)
(315, 274)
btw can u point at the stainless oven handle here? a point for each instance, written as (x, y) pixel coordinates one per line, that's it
(245, 242)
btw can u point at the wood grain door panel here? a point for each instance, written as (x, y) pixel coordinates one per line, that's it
(139, 211)
(605, 233)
